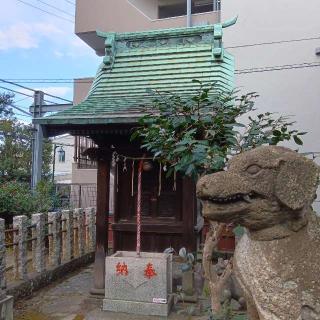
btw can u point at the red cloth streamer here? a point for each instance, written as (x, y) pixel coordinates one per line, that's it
(139, 207)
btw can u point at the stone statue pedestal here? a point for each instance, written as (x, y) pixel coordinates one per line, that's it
(6, 307)
(138, 284)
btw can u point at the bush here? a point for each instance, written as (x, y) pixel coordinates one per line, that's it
(16, 198)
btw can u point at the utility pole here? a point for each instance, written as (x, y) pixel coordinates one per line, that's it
(38, 110)
(37, 145)
(189, 13)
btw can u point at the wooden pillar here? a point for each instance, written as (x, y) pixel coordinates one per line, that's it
(189, 209)
(103, 191)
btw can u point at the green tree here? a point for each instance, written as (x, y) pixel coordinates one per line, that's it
(15, 167)
(15, 145)
(5, 101)
(197, 134)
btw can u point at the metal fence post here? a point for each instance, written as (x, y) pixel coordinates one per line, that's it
(2, 257)
(67, 233)
(80, 194)
(20, 249)
(54, 238)
(91, 229)
(38, 244)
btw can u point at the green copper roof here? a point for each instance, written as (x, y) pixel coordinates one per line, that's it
(164, 60)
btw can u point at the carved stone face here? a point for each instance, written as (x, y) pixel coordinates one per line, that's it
(261, 188)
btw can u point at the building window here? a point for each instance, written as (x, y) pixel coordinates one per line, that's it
(201, 6)
(81, 145)
(172, 9)
(169, 9)
(61, 155)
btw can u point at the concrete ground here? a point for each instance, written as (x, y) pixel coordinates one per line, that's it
(70, 300)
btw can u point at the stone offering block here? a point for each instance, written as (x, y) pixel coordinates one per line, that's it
(138, 285)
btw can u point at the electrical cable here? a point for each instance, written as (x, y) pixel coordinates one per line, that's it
(53, 14)
(56, 8)
(21, 115)
(20, 109)
(17, 101)
(24, 94)
(30, 89)
(272, 42)
(18, 85)
(70, 2)
(238, 71)
(278, 68)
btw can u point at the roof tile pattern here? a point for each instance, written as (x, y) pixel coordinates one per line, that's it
(165, 60)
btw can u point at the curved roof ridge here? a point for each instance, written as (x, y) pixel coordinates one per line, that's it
(173, 32)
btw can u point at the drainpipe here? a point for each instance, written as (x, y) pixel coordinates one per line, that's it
(189, 14)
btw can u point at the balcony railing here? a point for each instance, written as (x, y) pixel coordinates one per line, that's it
(83, 162)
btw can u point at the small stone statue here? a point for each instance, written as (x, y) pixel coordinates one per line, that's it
(269, 190)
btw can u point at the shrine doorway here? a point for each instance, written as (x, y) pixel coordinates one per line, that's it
(168, 208)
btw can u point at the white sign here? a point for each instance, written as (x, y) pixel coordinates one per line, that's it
(159, 300)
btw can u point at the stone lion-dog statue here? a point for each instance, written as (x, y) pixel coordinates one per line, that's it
(269, 190)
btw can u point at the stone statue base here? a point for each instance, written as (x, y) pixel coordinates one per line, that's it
(6, 308)
(138, 284)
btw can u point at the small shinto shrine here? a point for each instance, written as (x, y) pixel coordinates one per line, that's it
(134, 63)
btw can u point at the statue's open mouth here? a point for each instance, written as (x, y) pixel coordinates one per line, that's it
(227, 206)
(246, 197)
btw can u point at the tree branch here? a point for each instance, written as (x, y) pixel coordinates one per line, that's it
(216, 282)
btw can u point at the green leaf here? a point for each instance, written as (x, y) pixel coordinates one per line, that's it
(297, 140)
(180, 149)
(194, 133)
(277, 133)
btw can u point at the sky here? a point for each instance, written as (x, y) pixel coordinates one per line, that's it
(38, 45)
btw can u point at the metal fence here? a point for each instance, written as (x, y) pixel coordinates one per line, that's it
(82, 144)
(216, 5)
(70, 196)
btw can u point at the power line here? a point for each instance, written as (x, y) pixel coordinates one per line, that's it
(66, 80)
(56, 8)
(278, 68)
(24, 94)
(18, 85)
(20, 114)
(22, 99)
(273, 42)
(30, 89)
(238, 71)
(21, 110)
(52, 96)
(48, 12)
(70, 2)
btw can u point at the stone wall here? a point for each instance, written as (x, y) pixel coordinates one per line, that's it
(42, 249)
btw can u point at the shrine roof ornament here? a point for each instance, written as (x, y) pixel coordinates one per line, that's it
(137, 62)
